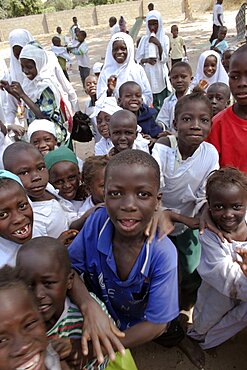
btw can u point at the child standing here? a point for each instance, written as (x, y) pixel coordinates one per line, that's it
(61, 54)
(130, 98)
(180, 76)
(81, 53)
(137, 280)
(229, 129)
(209, 70)
(120, 63)
(114, 27)
(89, 104)
(219, 95)
(154, 63)
(185, 162)
(220, 45)
(221, 306)
(177, 46)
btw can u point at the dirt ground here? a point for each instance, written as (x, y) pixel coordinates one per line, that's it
(230, 355)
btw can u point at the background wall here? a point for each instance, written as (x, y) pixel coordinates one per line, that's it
(91, 16)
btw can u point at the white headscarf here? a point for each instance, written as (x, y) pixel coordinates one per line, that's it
(21, 38)
(220, 73)
(107, 105)
(127, 71)
(41, 125)
(34, 88)
(154, 14)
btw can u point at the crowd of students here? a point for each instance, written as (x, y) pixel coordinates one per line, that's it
(151, 225)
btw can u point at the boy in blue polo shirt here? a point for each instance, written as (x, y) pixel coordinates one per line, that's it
(137, 280)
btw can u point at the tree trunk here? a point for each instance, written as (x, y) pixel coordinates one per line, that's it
(187, 10)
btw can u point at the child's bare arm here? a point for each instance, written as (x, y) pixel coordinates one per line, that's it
(142, 333)
(97, 327)
(185, 51)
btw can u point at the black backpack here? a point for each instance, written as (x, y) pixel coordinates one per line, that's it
(81, 130)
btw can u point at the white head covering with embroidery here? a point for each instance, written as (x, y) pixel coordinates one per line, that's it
(34, 88)
(127, 71)
(219, 76)
(106, 104)
(20, 37)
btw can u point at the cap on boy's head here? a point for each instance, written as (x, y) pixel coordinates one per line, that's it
(59, 155)
(139, 157)
(41, 125)
(97, 67)
(126, 85)
(45, 245)
(107, 105)
(9, 175)
(184, 65)
(11, 152)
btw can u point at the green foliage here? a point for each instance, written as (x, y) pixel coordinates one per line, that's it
(58, 4)
(18, 8)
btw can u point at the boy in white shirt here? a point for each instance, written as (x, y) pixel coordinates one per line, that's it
(217, 19)
(81, 52)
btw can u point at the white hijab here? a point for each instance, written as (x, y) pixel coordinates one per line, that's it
(127, 71)
(154, 14)
(219, 76)
(21, 38)
(45, 78)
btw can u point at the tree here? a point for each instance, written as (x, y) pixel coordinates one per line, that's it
(59, 4)
(18, 8)
(187, 10)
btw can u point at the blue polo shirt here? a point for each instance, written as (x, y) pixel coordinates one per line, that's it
(150, 292)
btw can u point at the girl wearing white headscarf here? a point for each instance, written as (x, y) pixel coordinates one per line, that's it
(19, 38)
(40, 90)
(127, 70)
(155, 67)
(202, 79)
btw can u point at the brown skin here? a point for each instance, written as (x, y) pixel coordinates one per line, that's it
(238, 84)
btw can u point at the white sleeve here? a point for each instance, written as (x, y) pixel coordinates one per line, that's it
(159, 153)
(219, 270)
(165, 113)
(146, 89)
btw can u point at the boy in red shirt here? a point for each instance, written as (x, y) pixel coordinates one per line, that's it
(229, 130)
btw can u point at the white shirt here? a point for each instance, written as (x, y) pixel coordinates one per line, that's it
(183, 182)
(217, 10)
(88, 204)
(221, 305)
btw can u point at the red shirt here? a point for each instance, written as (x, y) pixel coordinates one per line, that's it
(229, 136)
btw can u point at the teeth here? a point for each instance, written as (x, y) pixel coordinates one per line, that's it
(30, 365)
(22, 231)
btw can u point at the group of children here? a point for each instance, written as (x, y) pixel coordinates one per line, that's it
(68, 228)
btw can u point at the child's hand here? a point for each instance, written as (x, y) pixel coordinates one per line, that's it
(111, 84)
(67, 237)
(62, 346)
(17, 129)
(162, 222)
(151, 61)
(164, 133)
(4, 85)
(203, 84)
(155, 41)
(16, 90)
(243, 264)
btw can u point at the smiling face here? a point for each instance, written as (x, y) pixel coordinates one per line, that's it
(48, 279)
(238, 78)
(131, 197)
(227, 206)
(28, 67)
(131, 97)
(31, 169)
(180, 79)
(90, 85)
(123, 134)
(193, 124)
(119, 51)
(16, 215)
(103, 120)
(65, 177)
(210, 66)
(43, 141)
(23, 340)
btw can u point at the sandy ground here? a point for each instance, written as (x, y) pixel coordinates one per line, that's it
(232, 354)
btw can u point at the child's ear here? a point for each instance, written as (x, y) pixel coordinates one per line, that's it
(159, 196)
(119, 101)
(175, 124)
(70, 279)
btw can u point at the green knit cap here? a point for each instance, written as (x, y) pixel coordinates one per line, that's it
(59, 155)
